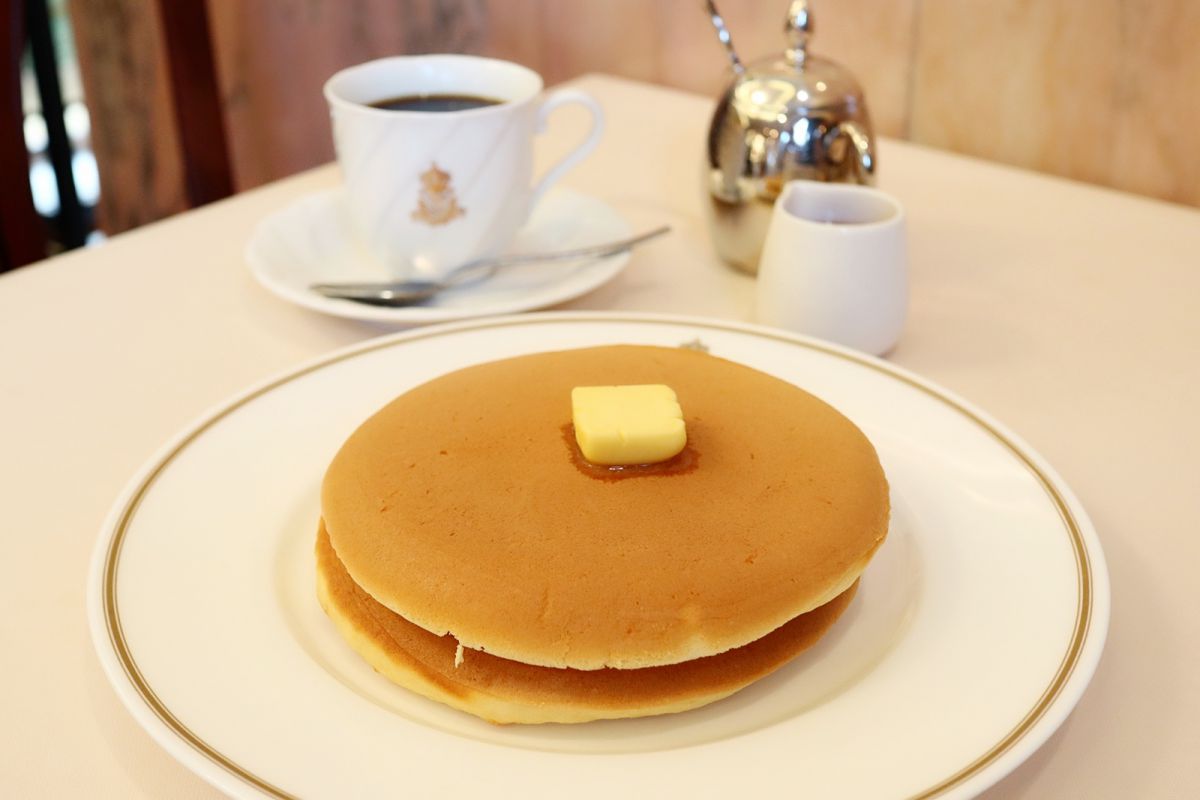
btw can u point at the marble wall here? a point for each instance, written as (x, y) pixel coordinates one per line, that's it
(1104, 91)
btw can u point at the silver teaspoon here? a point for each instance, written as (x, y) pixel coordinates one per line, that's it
(411, 292)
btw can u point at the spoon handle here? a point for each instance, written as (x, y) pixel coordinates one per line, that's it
(723, 36)
(491, 264)
(402, 292)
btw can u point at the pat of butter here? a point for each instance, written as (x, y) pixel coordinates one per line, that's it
(627, 425)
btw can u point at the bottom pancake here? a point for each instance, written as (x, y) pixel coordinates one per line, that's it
(504, 691)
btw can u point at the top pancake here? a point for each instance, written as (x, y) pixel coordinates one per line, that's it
(460, 506)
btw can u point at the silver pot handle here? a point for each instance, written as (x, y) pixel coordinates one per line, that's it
(858, 148)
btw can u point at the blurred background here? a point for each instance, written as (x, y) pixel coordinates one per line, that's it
(129, 111)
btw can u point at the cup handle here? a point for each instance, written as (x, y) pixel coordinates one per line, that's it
(562, 97)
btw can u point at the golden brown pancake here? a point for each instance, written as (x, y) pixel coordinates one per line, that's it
(460, 506)
(506, 691)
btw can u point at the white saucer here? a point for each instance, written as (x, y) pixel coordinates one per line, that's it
(309, 241)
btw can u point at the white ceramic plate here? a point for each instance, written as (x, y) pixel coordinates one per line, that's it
(975, 631)
(309, 242)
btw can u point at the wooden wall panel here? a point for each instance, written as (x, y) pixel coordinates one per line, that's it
(672, 42)
(1100, 92)
(128, 95)
(1103, 92)
(273, 57)
(1157, 147)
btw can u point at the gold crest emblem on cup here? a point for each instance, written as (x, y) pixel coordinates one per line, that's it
(437, 203)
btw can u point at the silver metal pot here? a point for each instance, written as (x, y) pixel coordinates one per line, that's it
(795, 116)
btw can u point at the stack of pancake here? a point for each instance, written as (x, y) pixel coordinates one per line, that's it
(468, 553)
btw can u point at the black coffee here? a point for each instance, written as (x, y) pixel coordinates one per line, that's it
(435, 102)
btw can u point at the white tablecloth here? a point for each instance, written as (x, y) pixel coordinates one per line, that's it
(1068, 312)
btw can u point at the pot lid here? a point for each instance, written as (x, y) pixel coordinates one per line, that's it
(797, 80)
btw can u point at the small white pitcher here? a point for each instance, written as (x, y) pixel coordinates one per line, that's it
(835, 265)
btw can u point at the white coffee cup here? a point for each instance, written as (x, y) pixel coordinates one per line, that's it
(835, 265)
(428, 190)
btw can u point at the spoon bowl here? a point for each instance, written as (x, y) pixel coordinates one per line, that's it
(400, 293)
